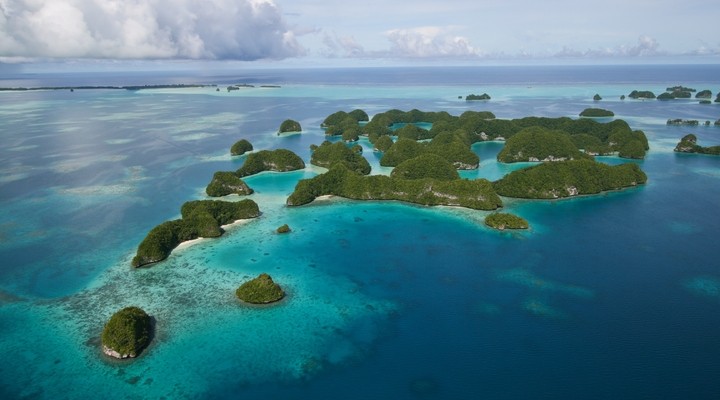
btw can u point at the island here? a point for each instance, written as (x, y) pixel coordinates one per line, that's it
(641, 94)
(280, 160)
(704, 94)
(382, 143)
(426, 165)
(717, 99)
(539, 144)
(240, 147)
(449, 145)
(568, 178)
(200, 218)
(688, 144)
(680, 88)
(475, 97)
(224, 183)
(504, 221)
(340, 181)
(289, 125)
(596, 112)
(260, 290)
(674, 95)
(680, 122)
(597, 97)
(127, 333)
(328, 154)
(285, 228)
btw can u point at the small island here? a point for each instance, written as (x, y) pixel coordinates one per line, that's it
(200, 219)
(261, 290)
(328, 154)
(476, 97)
(289, 125)
(568, 178)
(596, 113)
(285, 228)
(680, 122)
(340, 181)
(280, 160)
(127, 333)
(504, 221)
(224, 183)
(704, 94)
(688, 144)
(597, 97)
(426, 165)
(641, 94)
(539, 144)
(240, 147)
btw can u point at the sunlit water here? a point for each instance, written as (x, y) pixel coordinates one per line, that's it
(608, 296)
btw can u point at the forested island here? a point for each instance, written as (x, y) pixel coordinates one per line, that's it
(260, 290)
(289, 125)
(280, 160)
(504, 221)
(329, 154)
(568, 178)
(240, 147)
(224, 183)
(688, 144)
(596, 113)
(476, 97)
(641, 94)
(200, 218)
(127, 333)
(539, 144)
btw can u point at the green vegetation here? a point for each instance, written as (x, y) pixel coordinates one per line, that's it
(427, 165)
(678, 122)
(224, 183)
(642, 94)
(704, 94)
(280, 160)
(688, 144)
(290, 126)
(596, 112)
(240, 147)
(200, 218)
(283, 229)
(590, 144)
(340, 181)
(539, 144)
(448, 145)
(261, 290)
(473, 97)
(717, 99)
(127, 333)
(677, 94)
(705, 102)
(597, 97)
(328, 154)
(504, 221)
(383, 143)
(680, 89)
(401, 150)
(413, 132)
(628, 143)
(568, 178)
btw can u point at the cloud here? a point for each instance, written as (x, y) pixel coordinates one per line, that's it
(145, 29)
(345, 46)
(429, 42)
(646, 47)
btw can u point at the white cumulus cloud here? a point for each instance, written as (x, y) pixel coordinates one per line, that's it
(429, 42)
(145, 29)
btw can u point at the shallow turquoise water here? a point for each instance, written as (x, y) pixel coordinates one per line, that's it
(610, 296)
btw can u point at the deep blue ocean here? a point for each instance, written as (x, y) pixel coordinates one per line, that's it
(614, 296)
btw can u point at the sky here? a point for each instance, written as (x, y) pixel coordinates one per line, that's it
(367, 32)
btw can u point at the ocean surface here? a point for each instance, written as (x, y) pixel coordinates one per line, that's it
(614, 296)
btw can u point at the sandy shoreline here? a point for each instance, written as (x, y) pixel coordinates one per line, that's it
(188, 243)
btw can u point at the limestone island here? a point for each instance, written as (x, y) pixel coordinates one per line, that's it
(127, 333)
(704, 94)
(328, 154)
(596, 113)
(688, 144)
(641, 94)
(568, 178)
(240, 147)
(224, 183)
(476, 97)
(261, 290)
(450, 145)
(280, 160)
(340, 181)
(679, 122)
(200, 219)
(426, 165)
(597, 97)
(676, 94)
(504, 221)
(289, 126)
(539, 144)
(285, 228)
